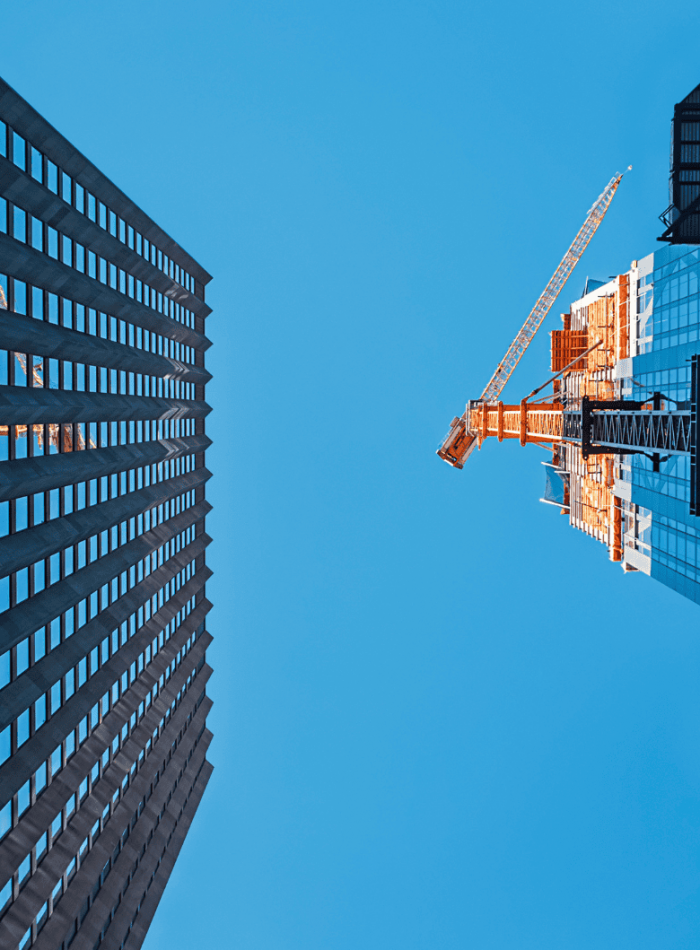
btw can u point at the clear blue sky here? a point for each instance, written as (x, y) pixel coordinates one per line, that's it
(443, 719)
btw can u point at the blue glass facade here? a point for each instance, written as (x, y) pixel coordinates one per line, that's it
(661, 536)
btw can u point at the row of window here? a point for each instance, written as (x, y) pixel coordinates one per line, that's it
(24, 227)
(61, 692)
(28, 300)
(675, 382)
(673, 481)
(152, 878)
(17, 442)
(19, 585)
(32, 161)
(48, 704)
(115, 854)
(690, 131)
(677, 564)
(690, 154)
(677, 545)
(28, 795)
(664, 341)
(675, 305)
(28, 511)
(63, 817)
(677, 264)
(688, 194)
(675, 288)
(60, 629)
(23, 369)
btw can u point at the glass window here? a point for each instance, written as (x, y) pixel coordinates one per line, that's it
(51, 176)
(19, 151)
(20, 296)
(23, 727)
(22, 656)
(37, 234)
(40, 778)
(67, 248)
(5, 744)
(19, 224)
(22, 806)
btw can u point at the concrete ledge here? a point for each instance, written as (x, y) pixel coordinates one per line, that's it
(23, 405)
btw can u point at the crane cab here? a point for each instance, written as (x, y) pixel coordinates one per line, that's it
(458, 443)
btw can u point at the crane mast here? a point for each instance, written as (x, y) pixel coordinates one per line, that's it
(461, 439)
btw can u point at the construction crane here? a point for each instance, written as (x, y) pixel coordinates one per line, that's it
(462, 437)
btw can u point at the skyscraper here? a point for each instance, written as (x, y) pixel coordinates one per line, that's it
(103, 639)
(628, 475)
(621, 419)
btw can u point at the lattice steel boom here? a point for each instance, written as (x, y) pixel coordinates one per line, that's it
(460, 442)
(551, 292)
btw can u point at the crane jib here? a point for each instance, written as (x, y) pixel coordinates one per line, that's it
(459, 442)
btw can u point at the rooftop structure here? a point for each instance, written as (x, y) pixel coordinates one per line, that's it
(682, 217)
(103, 639)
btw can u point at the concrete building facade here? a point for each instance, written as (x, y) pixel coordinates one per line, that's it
(103, 639)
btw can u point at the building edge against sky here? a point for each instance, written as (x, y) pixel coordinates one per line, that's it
(103, 639)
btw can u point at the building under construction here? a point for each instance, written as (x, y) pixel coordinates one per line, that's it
(619, 412)
(625, 470)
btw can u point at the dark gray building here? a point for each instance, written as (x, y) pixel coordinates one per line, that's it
(103, 639)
